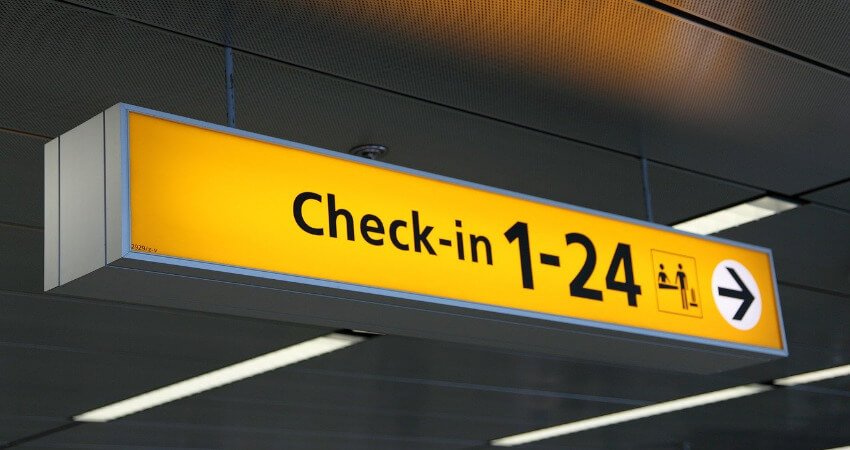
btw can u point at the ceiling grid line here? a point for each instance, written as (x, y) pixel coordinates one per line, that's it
(24, 133)
(693, 18)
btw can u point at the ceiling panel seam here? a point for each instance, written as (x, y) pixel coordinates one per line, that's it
(20, 225)
(39, 435)
(287, 432)
(814, 289)
(97, 352)
(820, 204)
(25, 133)
(718, 208)
(649, 3)
(481, 387)
(798, 198)
(825, 186)
(821, 390)
(141, 307)
(362, 409)
(697, 20)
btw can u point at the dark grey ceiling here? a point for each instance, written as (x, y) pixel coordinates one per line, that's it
(803, 419)
(608, 74)
(549, 98)
(21, 258)
(23, 162)
(678, 195)
(814, 28)
(61, 63)
(339, 115)
(810, 246)
(837, 195)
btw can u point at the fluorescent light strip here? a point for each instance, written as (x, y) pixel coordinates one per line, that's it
(632, 414)
(239, 371)
(674, 405)
(812, 377)
(736, 215)
(840, 448)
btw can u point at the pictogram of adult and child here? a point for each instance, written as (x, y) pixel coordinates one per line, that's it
(688, 294)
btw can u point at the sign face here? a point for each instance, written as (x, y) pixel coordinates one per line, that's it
(272, 207)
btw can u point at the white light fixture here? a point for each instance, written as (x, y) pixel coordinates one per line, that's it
(812, 377)
(674, 405)
(239, 371)
(840, 448)
(736, 215)
(631, 414)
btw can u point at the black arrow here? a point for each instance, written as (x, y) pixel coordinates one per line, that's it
(744, 294)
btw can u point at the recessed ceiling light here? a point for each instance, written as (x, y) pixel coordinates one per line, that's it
(736, 215)
(673, 405)
(239, 371)
(812, 377)
(631, 414)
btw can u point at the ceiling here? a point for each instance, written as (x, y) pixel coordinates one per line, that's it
(558, 99)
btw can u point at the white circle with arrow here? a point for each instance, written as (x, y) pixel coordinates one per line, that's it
(736, 294)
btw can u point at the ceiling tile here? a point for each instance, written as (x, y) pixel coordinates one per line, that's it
(408, 417)
(816, 331)
(811, 246)
(395, 400)
(615, 73)
(679, 195)
(326, 112)
(816, 319)
(428, 362)
(114, 328)
(837, 196)
(66, 356)
(21, 179)
(62, 65)
(60, 382)
(782, 419)
(839, 384)
(810, 28)
(125, 434)
(21, 259)
(17, 427)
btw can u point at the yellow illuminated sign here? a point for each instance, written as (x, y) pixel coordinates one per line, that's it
(211, 196)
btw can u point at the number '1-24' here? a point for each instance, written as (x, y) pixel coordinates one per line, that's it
(622, 257)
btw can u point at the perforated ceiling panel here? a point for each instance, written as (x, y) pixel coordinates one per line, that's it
(745, 423)
(615, 73)
(678, 195)
(280, 100)
(21, 179)
(837, 195)
(21, 258)
(62, 65)
(810, 246)
(63, 356)
(819, 29)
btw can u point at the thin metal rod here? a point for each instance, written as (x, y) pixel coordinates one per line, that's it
(229, 87)
(647, 193)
